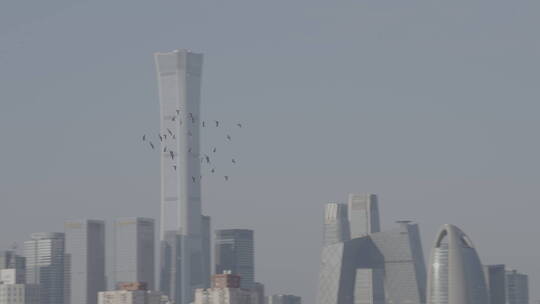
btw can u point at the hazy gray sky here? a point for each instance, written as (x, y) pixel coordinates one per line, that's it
(433, 105)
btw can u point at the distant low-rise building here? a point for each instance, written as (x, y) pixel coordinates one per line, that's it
(14, 292)
(132, 293)
(283, 299)
(517, 287)
(226, 290)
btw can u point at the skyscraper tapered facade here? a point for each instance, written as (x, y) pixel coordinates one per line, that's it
(179, 81)
(45, 265)
(455, 275)
(134, 250)
(85, 252)
(235, 252)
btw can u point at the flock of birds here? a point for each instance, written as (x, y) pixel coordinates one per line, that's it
(187, 122)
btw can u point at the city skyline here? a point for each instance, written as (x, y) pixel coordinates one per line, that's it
(430, 105)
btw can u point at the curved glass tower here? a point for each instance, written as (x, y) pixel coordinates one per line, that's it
(455, 272)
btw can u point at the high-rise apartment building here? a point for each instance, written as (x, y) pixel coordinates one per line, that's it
(134, 251)
(234, 250)
(517, 287)
(363, 214)
(455, 273)
(496, 283)
(283, 299)
(179, 80)
(45, 262)
(336, 224)
(85, 254)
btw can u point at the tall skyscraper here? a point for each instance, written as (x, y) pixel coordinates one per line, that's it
(45, 265)
(455, 273)
(336, 224)
(85, 252)
(517, 287)
(363, 214)
(235, 253)
(496, 283)
(134, 250)
(179, 80)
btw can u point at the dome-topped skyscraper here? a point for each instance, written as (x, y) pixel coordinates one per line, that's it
(455, 273)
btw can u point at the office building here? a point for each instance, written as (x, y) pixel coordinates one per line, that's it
(10, 260)
(284, 299)
(455, 273)
(336, 224)
(85, 254)
(258, 288)
(132, 293)
(371, 266)
(363, 214)
(234, 250)
(44, 254)
(134, 251)
(179, 82)
(496, 283)
(383, 267)
(13, 291)
(226, 289)
(517, 287)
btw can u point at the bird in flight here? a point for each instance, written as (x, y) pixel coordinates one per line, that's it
(172, 154)
(217, 123)
(144, 137)
(203, 124)
(213, 170)
(207, 158)
(233, 161)
(226, 177)
(177, 112)
(193, 178)
(174, 167)
(173, 118)
(160, 137)
(214, 150)
(151, 145)
(239, 125)
(165, 149)
(228, 137)
(170, 132)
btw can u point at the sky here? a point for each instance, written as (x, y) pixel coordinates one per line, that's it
(433, 105)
